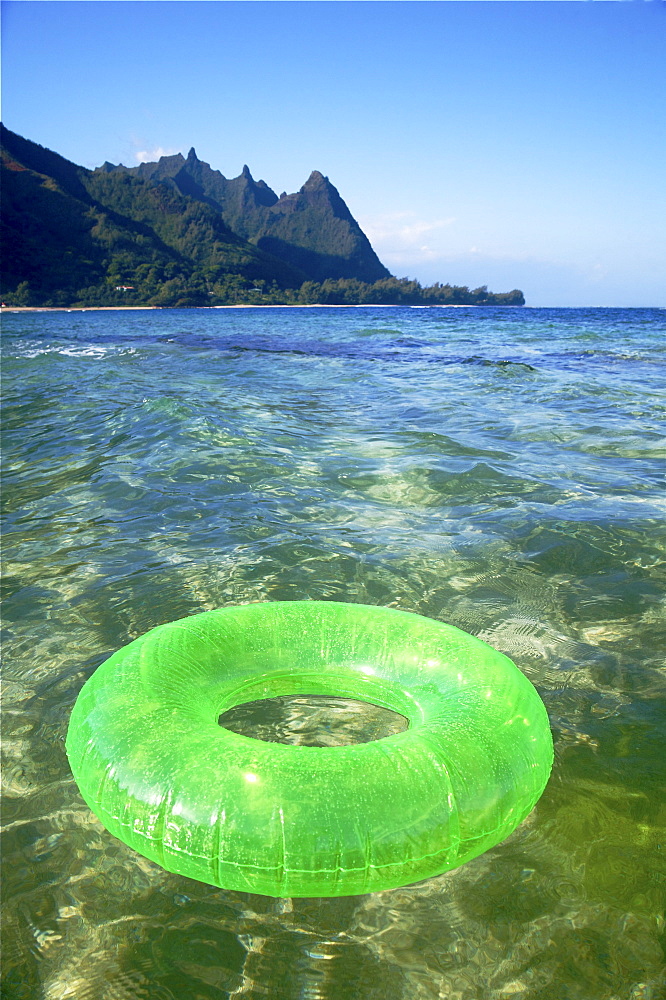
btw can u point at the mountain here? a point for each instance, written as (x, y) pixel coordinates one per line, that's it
(312, 230)
(73, 233)
(178, 233)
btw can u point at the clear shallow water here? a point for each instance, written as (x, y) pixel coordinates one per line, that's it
(499, 469)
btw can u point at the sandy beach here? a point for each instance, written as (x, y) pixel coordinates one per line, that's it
(243, 305)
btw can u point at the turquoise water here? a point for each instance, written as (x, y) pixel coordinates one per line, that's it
(498, 469)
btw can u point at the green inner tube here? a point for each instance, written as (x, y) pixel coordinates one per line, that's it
(163, 776)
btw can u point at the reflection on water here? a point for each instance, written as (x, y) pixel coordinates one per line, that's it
(501, 470)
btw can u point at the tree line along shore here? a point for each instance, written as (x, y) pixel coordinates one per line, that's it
(234, 290)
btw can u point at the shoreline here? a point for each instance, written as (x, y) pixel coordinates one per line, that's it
(247, 305)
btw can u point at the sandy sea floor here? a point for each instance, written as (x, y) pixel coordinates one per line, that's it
(497, 469)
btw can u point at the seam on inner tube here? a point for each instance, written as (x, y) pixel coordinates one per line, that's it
(304, 871)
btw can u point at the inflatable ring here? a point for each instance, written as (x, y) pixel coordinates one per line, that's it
(155, 766)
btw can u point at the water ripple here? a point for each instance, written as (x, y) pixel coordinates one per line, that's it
(498, 469)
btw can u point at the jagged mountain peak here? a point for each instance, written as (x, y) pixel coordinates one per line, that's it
(171, 159)
(192, 155)
(316, 179)
(312, 229)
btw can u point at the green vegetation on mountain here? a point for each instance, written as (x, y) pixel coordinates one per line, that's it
(177, 233)
(313, 229)
(78, 236)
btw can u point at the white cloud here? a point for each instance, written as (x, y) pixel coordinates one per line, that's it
(149, 155)
(394, 234)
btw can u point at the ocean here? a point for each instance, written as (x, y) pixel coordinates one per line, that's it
(500, 469)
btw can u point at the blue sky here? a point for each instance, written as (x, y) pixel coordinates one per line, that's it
(513, 144)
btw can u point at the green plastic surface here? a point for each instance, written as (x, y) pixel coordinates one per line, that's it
(163, 776)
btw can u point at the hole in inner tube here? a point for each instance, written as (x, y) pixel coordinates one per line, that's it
(313, 721)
